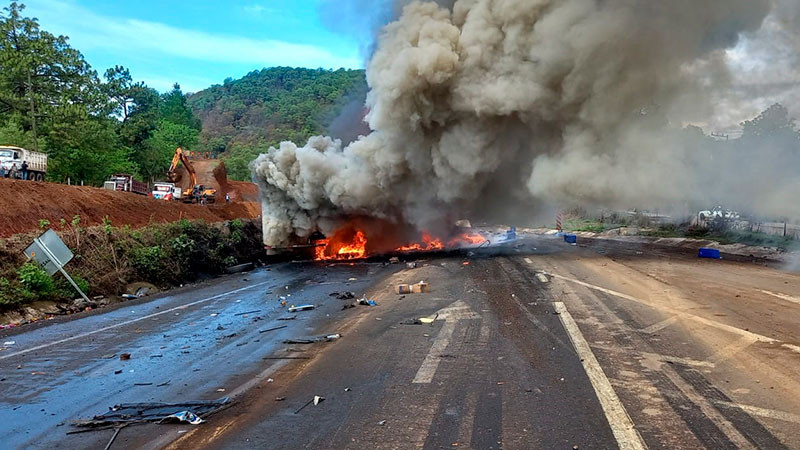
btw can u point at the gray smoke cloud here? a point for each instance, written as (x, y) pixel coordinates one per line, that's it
(489, 104)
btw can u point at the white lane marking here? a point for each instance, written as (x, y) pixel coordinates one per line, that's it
(732, 349)
(528, 260)
(128, 322)
(431, 362)
(762, 412)
(788, 298)
(621, 424)
(792, 347)
(456, 311)
(679, 313)
(658, 326)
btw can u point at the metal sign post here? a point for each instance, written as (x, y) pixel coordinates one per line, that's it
(50, 252)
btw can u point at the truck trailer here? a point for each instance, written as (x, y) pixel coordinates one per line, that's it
(12, 158)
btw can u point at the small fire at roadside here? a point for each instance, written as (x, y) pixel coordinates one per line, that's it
(352, 244)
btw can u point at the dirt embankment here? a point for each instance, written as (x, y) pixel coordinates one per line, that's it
(24, 203)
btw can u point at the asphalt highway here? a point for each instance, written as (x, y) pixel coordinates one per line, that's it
(539, 345)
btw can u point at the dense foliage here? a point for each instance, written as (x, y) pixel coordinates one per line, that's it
(51, 100)
(245, 117)
(109, 257)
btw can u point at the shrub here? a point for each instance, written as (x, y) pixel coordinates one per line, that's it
(36, 280)
(149, 262)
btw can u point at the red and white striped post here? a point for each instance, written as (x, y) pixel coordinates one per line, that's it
(558, 222)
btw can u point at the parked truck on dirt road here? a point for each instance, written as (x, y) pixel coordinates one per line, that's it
(13, 157)
(166, 191)
(126, 183)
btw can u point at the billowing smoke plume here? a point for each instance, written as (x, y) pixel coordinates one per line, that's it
(486, 102)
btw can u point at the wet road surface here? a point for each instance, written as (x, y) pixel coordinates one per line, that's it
(545, 346)
(199, 344)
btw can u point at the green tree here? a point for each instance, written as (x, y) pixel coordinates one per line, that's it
(86, 148)
(175, 109)
(40, 72)
(154, 160)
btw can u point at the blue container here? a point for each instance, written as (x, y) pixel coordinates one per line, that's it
(708, 253)
(570, 239)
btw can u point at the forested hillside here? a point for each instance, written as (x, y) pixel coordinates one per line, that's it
(244, 117)
(53, 101)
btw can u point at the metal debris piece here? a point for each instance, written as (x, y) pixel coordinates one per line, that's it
(124, 356)
(190, 412)
(247, 312)
(314, 339)
(287, 318)
(301, 308)
(273, 328)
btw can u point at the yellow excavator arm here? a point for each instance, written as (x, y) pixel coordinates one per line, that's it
(172, 174)
(188, 194)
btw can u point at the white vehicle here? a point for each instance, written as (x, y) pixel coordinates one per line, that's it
(12, 158)
(166, 191)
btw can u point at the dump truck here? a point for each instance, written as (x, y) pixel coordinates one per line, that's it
(165, 191)
(126, 183)
(196, 193)
(13, 157)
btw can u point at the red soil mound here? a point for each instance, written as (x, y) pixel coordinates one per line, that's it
(24, 203)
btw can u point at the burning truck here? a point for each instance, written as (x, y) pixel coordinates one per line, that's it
(366, 238)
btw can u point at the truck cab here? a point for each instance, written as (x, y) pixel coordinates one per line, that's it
(166, 191)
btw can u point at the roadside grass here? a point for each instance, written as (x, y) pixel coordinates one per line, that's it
(108, 258)
(588, 225)
(723, 237)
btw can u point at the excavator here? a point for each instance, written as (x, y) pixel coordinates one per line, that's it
(198, 193)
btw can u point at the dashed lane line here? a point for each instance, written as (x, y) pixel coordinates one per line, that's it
(128, 322)
(620, 422)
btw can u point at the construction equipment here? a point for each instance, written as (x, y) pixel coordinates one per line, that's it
(197, 193)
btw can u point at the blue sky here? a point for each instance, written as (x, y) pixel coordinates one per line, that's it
(196, 43)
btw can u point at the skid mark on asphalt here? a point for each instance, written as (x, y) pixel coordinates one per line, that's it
(618, 419)
(681, 314)
(128, 322)
(658, 326)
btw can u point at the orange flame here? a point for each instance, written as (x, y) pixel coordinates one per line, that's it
(340, 250)
(430, 243)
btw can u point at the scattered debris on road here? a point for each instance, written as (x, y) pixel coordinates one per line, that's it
(343, 296)
(382, 422)
(188, 412)
(394, 260)
(300, 308)
(314, 339)
(710, 253)
(420, 288)
(273, 329)
(247, 312)
(287, 318)
(316, 401)
(421, 320)
(366, 302)
(124, 356)
(402, 289)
